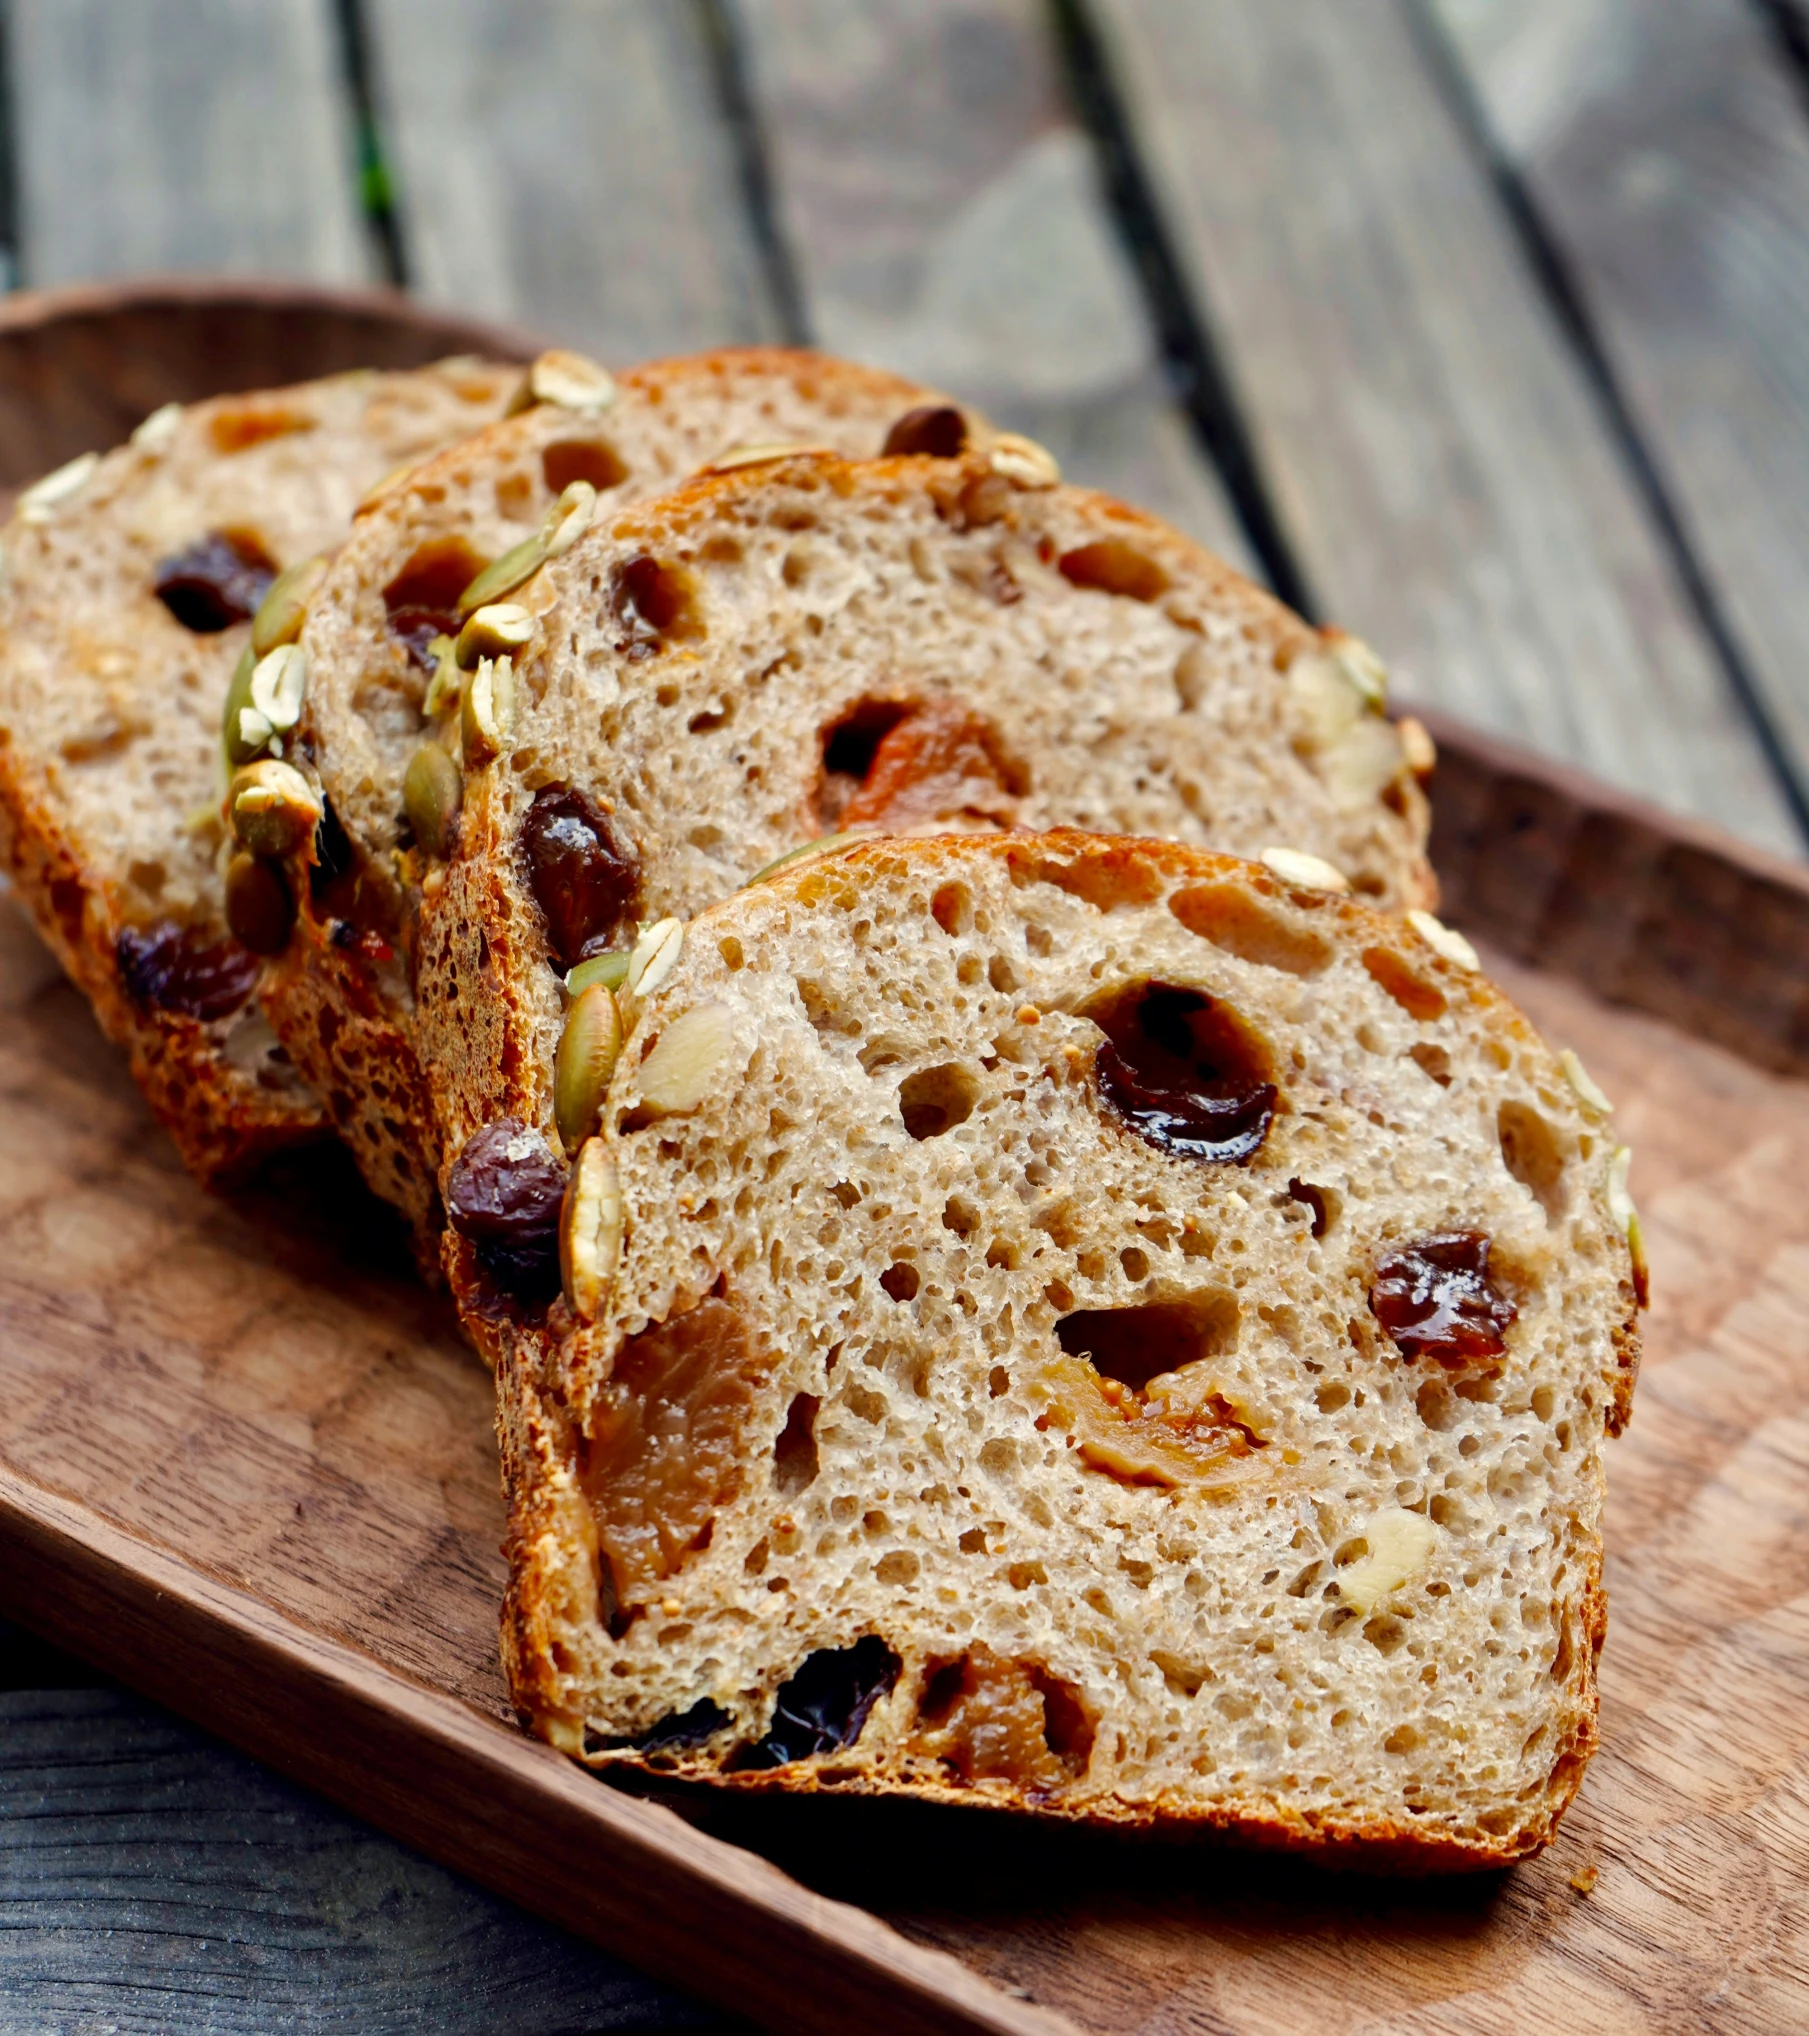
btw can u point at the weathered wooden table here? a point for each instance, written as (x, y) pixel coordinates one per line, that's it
(1474, 324)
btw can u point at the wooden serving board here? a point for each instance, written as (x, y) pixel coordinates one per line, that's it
(247, 1465)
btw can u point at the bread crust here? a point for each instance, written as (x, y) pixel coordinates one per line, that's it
(110, 710)
(559, 1643)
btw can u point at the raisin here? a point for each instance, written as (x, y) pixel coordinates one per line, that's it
(936, 429)
(585, 879)
(217, 581)
(825, 1704)
(182, 968)
(1178, 1068)
(1436, 1299)
(504, 1195)
(415, 629)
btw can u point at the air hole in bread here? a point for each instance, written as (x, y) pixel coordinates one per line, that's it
(823, 1706)
(952, 908)
(901, 1280)
(987, 1718)
(582, 459)
(656, 602)
(238, 430)
(678, 1730)
(899, 762)
(795, 1461)
(1432, 1060)
(1110, 566)
(664, 1448)
(1325, 1203)
(1534, 1155)
(1233, 919)
(1183, 1071)
(1416, 996)
(422, 601)
(1134, 1345)
(220, 579)
(1102, 878)
(936, 1099)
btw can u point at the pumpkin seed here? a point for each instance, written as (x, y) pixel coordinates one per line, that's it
(447, 683)
(1310, 872)
(1588, 1090)
(740, 456)
(37, 502)
(569, 381)
(609, 969)
(273, 807)
(285, 608)
(809, 851)
(432, 791)
(243, 730)
(156, 433)
(1024, 462)
(497, 630)
(487, 713)
(590, 1230)
(654, 956)
(279, 682)
(1444, 940)
(259, 908)
(564, 523)
(589, 1047)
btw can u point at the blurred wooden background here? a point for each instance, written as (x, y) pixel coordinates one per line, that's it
(1475, 325)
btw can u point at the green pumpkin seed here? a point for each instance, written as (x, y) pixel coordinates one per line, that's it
(567, 380)
(432, 791)
(609, 969)
(273, 807)
(487, 713)
(808, 851)
(499, 629)
(244, 739)
(447, 683)
(590, 1230)
(562, 526)
(588, 1050)
(285, 608)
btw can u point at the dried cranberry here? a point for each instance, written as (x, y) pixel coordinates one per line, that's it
(1435, 1299)
(936, 429)
(585, 878)
(504, 1195)
(823, 1707)
(185, 969)
(217, 581)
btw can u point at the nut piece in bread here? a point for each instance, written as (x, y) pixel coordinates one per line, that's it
(127, 604)
(1116, 1334)
(392, 722)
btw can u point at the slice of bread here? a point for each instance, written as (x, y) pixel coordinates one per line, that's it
(110, 711)
(342, 999)
(905, 644)
(1081, 1325)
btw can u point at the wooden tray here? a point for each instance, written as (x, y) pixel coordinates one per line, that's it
(246, 1465)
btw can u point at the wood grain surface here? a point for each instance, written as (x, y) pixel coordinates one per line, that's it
(565, 162)
(217, 131)
(246, 1463)
(1667, 146)
(945, 217)
(116, 1821)
(1437, 454)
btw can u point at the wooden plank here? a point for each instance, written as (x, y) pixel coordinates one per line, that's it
(564, 163)
(1436, 451)
(182, 135)
(946, 221)
(1665, 144)
(152, 1878)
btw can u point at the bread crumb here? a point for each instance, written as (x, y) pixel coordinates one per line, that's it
(1584, 1879)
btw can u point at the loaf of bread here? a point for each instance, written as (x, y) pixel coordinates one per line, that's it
(342, 999)
(904, 645)
(129, 587)
(1075, 1324)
